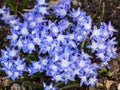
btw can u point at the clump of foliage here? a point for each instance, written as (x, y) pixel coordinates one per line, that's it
(59, 41)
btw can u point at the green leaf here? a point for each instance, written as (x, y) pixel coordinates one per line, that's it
(22, 88)
(1, 71)
(95, 15)
(32, 57)
(104, 70)
(12, 5)
(119, 40)
(102, 14)
(29, 83)
(53, 16)
(24, 4)
(37, 75)
(83, 44)
(58, 84)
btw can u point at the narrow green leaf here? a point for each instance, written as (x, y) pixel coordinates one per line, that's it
(104, 70)
(24, 4)
(95, 15)
(38, 86)
(58, 84)
(32, 57)
(83, 44)
(22, 88)
(102, 14)
(12, 5)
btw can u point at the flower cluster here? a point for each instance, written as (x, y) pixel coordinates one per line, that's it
(12, 64)
(56, 34)
(103, 44)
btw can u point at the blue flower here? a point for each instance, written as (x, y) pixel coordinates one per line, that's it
(75, 13)
(63, 25)
(41, 8)
(111, 29)
(36, 39)
(92, 81)
(53, 28)
(83, 80)
(19, 44)
(41, 2)
(62, 8)
(31, 47)
(7, 17)
(24, 31)
(9, 53)
(58, 78)
(34, 67)
(93, 46)
(14, 68)
(50, 87)
(96, 32)
(2, 9)
(13, 37)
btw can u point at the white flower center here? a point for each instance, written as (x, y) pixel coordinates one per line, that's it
(12, 53)
(36, 40)
(19, 43)
(24, 31)
(31, 46)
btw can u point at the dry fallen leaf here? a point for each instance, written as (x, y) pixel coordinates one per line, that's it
(118, 86)
(52, 3)
(108, 84)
